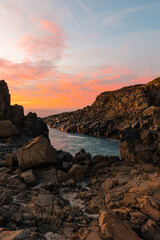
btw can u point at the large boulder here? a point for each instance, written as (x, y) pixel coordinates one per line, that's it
(37, 152)
(7, 129)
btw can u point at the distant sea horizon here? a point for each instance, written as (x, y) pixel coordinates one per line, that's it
(45, 112)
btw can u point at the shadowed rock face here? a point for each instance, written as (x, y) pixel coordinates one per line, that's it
(113, 111)
(4, 101)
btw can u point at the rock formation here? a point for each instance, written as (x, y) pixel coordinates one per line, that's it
(28, 125)
(113, 111)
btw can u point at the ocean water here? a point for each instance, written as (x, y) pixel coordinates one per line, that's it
(45, 112)
(74, 142)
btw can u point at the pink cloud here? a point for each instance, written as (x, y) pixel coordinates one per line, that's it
(21, 73)
(103, 71)
(48, 42)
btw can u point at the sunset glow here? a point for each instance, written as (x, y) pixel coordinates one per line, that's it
(62, 54)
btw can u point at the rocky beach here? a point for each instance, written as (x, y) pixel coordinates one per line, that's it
(49, 194)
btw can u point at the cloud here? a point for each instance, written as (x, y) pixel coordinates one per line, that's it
(49, 42)
(114, 17)
(25, 72)
(87, 10)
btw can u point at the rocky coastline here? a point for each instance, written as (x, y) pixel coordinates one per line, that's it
(49, 194)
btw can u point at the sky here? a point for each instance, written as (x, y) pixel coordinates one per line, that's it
(62, 53)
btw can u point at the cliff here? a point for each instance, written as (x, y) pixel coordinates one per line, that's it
(113, 111)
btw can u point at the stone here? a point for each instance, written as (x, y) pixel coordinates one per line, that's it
(47, 174)
(38, 152)
(20, 234)
(76, 172)
(108, 184)
(81, 156)
(7, 129)
(94, 234)
(65, 159)
(110, 225)
(11, 160)
(29, 178)
(43, 199)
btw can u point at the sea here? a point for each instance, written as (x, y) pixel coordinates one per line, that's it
(74, 142)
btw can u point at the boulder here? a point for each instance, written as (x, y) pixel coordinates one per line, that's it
(37, 152)
(11, 160)
(76, 172)
(65, 159)
(46, 174)
(29, 178)
(82, 156)
(7, 129)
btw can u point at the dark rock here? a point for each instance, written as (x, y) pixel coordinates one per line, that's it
(34, 126)
(4, 101)
(65, 159)
(7, 129)
(29, 178)
(17, 116)
(82, 156)
(11, 160)
(76, 172)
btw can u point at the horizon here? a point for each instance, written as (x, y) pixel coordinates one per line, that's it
(61, 55)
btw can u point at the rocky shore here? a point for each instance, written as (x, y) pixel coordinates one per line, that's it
(49, 194)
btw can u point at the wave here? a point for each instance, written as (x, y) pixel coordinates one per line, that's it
(70, 136)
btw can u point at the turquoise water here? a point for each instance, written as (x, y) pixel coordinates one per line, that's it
(74, 142)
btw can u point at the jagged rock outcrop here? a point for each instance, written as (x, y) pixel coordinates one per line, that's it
(114, 111)
(29, 125)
